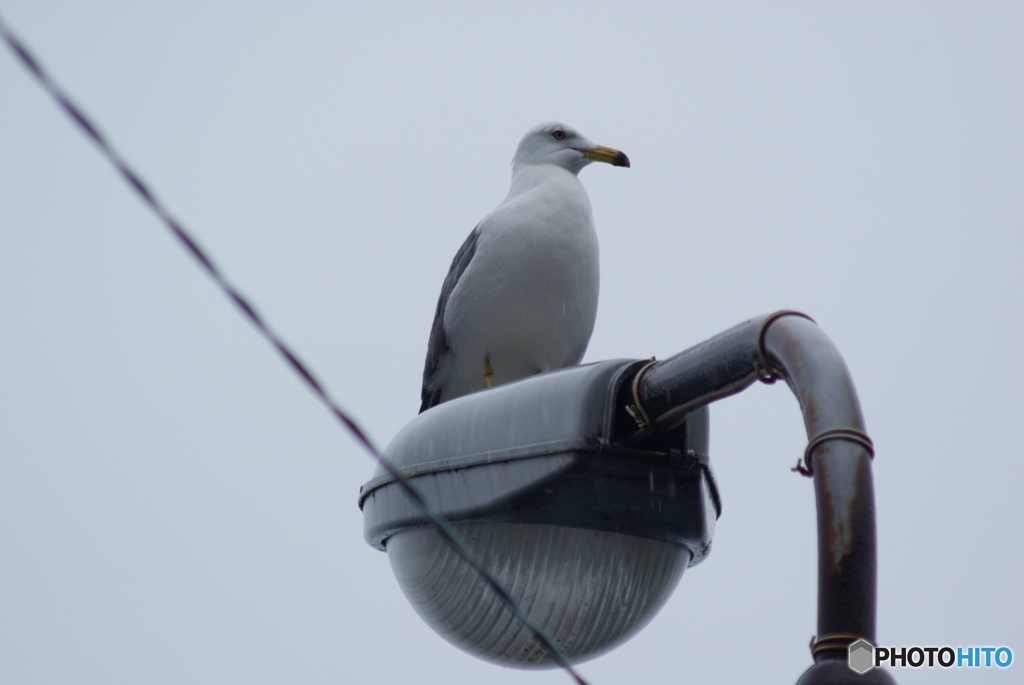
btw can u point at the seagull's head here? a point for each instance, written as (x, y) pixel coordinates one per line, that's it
(562, 145)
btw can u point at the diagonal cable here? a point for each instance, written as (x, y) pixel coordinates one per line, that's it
(319, 390)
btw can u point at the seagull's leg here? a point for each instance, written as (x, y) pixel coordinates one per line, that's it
(488, 371)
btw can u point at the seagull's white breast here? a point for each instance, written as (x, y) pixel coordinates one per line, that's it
(528, 299)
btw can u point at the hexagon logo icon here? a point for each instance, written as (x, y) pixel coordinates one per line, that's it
(862, 656)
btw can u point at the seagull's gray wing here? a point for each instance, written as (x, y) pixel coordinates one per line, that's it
(438, 345)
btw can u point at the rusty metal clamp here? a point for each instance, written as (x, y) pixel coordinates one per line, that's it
(805, 468)
(837, 641)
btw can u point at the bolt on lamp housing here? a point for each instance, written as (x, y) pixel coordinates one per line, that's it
(589, 535)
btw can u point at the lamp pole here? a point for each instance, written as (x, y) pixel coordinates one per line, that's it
(790, 346)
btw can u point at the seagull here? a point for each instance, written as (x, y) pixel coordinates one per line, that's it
(521, 295)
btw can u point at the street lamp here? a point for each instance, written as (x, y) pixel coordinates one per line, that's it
(587, 492)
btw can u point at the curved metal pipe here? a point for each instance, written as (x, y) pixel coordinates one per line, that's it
(839, 457)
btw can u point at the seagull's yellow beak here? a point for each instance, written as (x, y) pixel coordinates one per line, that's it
(605, 154)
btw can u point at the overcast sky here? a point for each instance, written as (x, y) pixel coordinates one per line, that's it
(176, 507)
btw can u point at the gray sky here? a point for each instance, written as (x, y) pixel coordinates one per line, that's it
(176, 507)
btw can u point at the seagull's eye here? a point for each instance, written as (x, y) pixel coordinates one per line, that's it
(558, 135)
